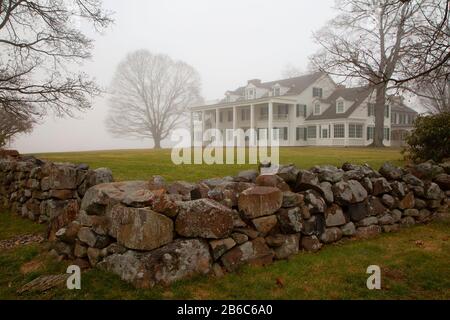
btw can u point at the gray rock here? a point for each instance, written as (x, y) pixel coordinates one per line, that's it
(204, 218)
(433, 192)
(411, 213)
(260, 201)
(289, 248)
(290, 220)
(367, 222)
(315, 203)
(348, 230)
(291, 199)
(381, 186)
(407, 222)
(334, 216)
(311, 243)
(254, 252)
(386, 220)
(368, 232)
(391, 172)
(220, 247)
(248, 176)
(388, 201)
(396, 215)
(331, 235)
(350, 192)
(288, 173)
(327, 192)
(181, 259)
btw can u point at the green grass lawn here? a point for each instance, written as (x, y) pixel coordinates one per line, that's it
(142, 164)
(409, 271)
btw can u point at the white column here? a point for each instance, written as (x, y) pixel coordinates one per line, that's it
(217, 118)
(203, 127)
(192, 129)
(270, 127)
(234, 118)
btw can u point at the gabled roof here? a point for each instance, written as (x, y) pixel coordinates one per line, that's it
(355, 95)
(297, 85)
(401, 107)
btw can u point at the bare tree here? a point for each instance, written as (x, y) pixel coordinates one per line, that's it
(434, 95)
(150, 94)
(380, 43)
(291, 71)
(40, 46)
(11, 125)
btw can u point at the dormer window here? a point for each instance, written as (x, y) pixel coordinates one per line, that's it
(317, 92)
(340, 107)
(251, 93)
(276, 91)
(317, 109)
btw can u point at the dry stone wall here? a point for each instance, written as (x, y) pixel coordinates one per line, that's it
(43, 191)
(154, 233)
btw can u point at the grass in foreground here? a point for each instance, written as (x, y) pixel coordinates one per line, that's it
(409, 271)
(142, 164)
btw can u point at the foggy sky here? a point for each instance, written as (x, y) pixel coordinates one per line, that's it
(227, 42)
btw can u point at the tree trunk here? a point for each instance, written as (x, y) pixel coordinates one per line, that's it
(157, 142)
(380, 105)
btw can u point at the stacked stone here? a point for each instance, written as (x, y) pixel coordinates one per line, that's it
(46, 192)
(151, 232)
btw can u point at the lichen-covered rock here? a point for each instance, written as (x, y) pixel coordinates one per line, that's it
(103, 197)
(408, 202)
(368, 232)
(349, 229)
(350, 192)
(306, 180)
(291, 199)
(388, 201)
(327, 191)
(334, 216)
(220, 247)
(391, 172)
(311, 243)
(204, 218)
(254, 252)
(272, 181)
(331, 235)
(381, 186)
(314, 202)
(265, 224)
(290, 220)
(367, 222)
(288, 248)
(260, 201)
(178, 260)
(288, 173)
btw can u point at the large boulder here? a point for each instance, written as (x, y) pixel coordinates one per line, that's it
(204, 218)
(63, 177)
(178, 260)
(260, 201)
(254, 252)
(101, 198)
(350, 192)
(140, 228)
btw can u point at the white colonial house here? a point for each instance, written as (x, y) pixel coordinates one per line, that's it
(311, 110)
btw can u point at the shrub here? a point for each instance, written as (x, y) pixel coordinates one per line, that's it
(430, 139)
